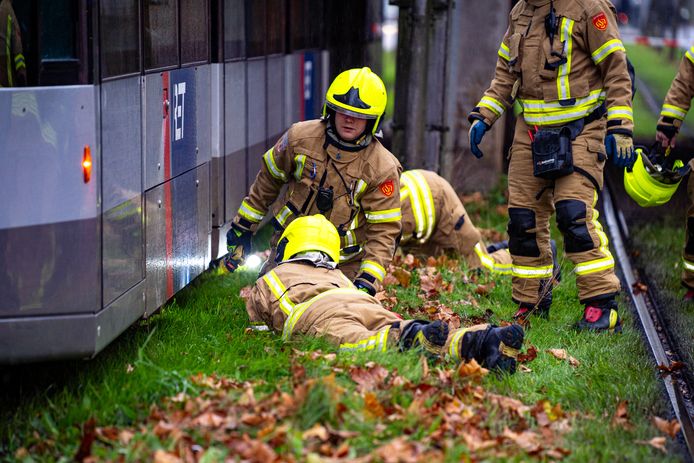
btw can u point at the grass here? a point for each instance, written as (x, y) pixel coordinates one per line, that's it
(44, 408)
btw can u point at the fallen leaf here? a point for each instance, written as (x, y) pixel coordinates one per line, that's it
(621, 415)
(369, 378)
(524, 369)
(88, 436)
(671, 428)
(471, 369)
(558, 353)
(129, 368)
(403, 277)
(161, 456)
(245, 292)
(656, 442)
(484, 290)
(527, 440)
(639, 288)
(674, 366)
(528, 356)
(317, 431)
(573, 362)
(372, 406)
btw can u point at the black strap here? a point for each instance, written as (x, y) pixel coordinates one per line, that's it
(592, 179)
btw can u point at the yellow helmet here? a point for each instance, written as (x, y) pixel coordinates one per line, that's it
(359, 93)
(649, 184)
(309, 233)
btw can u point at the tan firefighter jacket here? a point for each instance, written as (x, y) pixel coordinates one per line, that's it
(12, 65)
(366, 192)
(583, 68)
(679, 97)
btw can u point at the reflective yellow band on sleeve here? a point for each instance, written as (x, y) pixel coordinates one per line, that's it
(620, 112)
(359, 190)
(490, 264)
(532, 272)
(280, 291)
(492, 104)
(300, 161)
(299, 309)
(563, 84)
(374, 269)
(454, 346)
(283, 215)
(422, 202)
(673, 111)
(690, 55)
(19, 62)
(378, 342)
(250, 213)
(607, 49)
(504, 52)
(388, 215)
(275, 171)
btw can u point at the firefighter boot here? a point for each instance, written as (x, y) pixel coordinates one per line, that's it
(541, 309)
(493, 347)
(601, 316)
(431, 336)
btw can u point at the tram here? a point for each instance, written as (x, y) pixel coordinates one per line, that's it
(126, 156)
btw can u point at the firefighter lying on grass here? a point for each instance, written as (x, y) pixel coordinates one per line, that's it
(306, 294)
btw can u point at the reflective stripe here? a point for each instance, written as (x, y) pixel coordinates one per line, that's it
(19, 62)
(275, 171)
(373, 268)
(299, 309)
(540, 112)
(504, 52)
(493, 105)
(690, 55)
(490, 264)
(359, 190)
(283, 215)
(300, 161)
(280, 291)
(604, 263)
(607, 49)
(544, 106)
(389, 215)
(250, 213)
(673, 111)
(532, 272)
(454, 346)
(689, 266)
(422, 202)
(378, 341)
(349, 240)
(563, 85)
(620, 112)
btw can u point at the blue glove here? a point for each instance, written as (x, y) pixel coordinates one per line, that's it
(477, 131)
(238, 245)
(620, 149)
(362, 283)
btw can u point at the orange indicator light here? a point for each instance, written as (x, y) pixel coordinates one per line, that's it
(87, 164)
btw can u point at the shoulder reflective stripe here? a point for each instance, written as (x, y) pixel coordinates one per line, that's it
(690, 55)
(493, 105)
(388, 215)
(279, 290)
(275, 171)
(607, 49)
(504, 52)
(489, 263)
(620, 112)
(283, 215)
(378, 341)
(299, 309)
(689, 266)
(454, 346)
(422, 202)
(300, 162)
(373, 268)
(250, 213)
(563, 84)
(673, 111)
(532, 272)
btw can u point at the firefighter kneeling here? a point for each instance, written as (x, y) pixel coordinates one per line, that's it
(307, 294)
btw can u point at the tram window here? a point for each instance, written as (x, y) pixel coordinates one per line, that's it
(276, 23)
(234, 29)
(120, 51)
(194, 31)
(161, 33)
(256, 27)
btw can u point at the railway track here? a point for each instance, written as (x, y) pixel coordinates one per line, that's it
(662, 343)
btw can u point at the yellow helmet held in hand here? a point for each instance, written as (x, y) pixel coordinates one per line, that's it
(359, 93)
(309, 233)
(649, 184)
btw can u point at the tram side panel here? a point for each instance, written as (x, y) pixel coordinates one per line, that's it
(49, 227)
(275, 99)
(256, 114)
(235, 136)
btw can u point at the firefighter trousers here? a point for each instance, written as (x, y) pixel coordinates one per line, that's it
(533, 200)
(688, 254)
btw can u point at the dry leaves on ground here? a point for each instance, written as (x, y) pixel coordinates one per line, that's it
(671, 428)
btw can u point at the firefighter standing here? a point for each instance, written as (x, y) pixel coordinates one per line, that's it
(564, 64)
(675, 108)
(12, 65)
(307, 294)
(434, 221)
(333, 166)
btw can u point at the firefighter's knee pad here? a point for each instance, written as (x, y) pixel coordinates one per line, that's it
(571, 220)
(521, 241)
(689, 248)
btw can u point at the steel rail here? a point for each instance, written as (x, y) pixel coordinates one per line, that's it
(678, 391)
